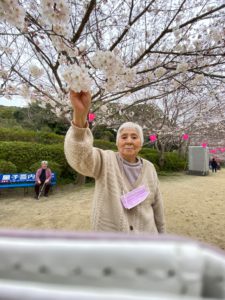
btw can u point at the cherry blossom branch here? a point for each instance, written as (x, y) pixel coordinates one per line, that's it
(85, 19)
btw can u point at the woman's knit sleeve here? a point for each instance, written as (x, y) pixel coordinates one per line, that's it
(80, 153)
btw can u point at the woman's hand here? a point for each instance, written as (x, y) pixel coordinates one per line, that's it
(81, 103)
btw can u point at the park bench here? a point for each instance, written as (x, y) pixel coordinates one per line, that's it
(20, 180)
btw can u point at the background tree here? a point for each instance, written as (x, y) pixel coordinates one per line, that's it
(169, 54)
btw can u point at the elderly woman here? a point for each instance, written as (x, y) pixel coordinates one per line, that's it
(43, 179)
(127, 196)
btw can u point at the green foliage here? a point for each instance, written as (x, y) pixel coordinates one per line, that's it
(173, 162)
(30, 136)
(105, 145)
(19, 115)
(104, 133)
(148, 150)
(28, 156)
(68, 174)
(34, 118)
(151, 155)
(108, 136)
(22, 150)
(7, 167)
(9, 123)
(156, 167)
(6, 112)
(23, 154)
(54, 166)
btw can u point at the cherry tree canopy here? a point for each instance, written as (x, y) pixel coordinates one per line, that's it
(126, 52)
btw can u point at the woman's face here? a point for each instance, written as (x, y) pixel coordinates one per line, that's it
(44, 166)
(129, 144)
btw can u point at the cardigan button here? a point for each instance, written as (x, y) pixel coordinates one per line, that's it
(131, 227)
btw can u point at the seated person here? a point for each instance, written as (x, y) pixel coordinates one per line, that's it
(43, 176)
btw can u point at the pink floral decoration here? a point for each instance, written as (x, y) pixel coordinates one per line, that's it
(212, 151)
(185, 136)
(91, 117)
(152, 137)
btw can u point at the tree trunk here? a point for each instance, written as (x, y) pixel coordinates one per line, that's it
(161, 150)
(161, 160)
(80, 180)
(183, 149)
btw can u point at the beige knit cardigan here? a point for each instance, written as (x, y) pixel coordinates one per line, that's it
(108, 214)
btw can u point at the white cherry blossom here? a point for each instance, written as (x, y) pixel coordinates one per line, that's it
(182, 67)
(77, 78)
(35, 71)
(160, 72)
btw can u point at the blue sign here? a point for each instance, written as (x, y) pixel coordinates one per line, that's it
(20, 177)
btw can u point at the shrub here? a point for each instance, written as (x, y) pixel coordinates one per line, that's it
(102, 132)
(7, 167)
(108, 136)
(6, 112)
(150, 155)
(105, 145)
(156, 168)
(23, 154)
(28, 156)
(173, 162)
(8, 123)
(42, 137)
(68, 174)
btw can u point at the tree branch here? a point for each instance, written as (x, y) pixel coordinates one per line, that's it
(167, 30)
(84, 21)
(130, 23)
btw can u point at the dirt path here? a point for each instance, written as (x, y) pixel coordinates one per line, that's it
(194, 207)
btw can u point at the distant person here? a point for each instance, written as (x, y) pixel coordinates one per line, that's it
(214, 165)
(43, 177)
(210, 164)
(127, 196)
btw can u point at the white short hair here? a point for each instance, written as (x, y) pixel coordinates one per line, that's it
(130, 125)
(44, 162)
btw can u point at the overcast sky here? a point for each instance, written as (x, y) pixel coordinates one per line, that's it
(16, 101)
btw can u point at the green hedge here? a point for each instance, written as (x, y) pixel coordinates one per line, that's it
(7, 167)
(173, 162)
(30, 136)
(151, 155)
(27, 157)
(105, 145)
(24, 154)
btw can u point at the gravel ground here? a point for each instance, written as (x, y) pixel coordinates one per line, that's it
(194, 207)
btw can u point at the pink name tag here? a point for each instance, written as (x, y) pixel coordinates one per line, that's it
(134, 197)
